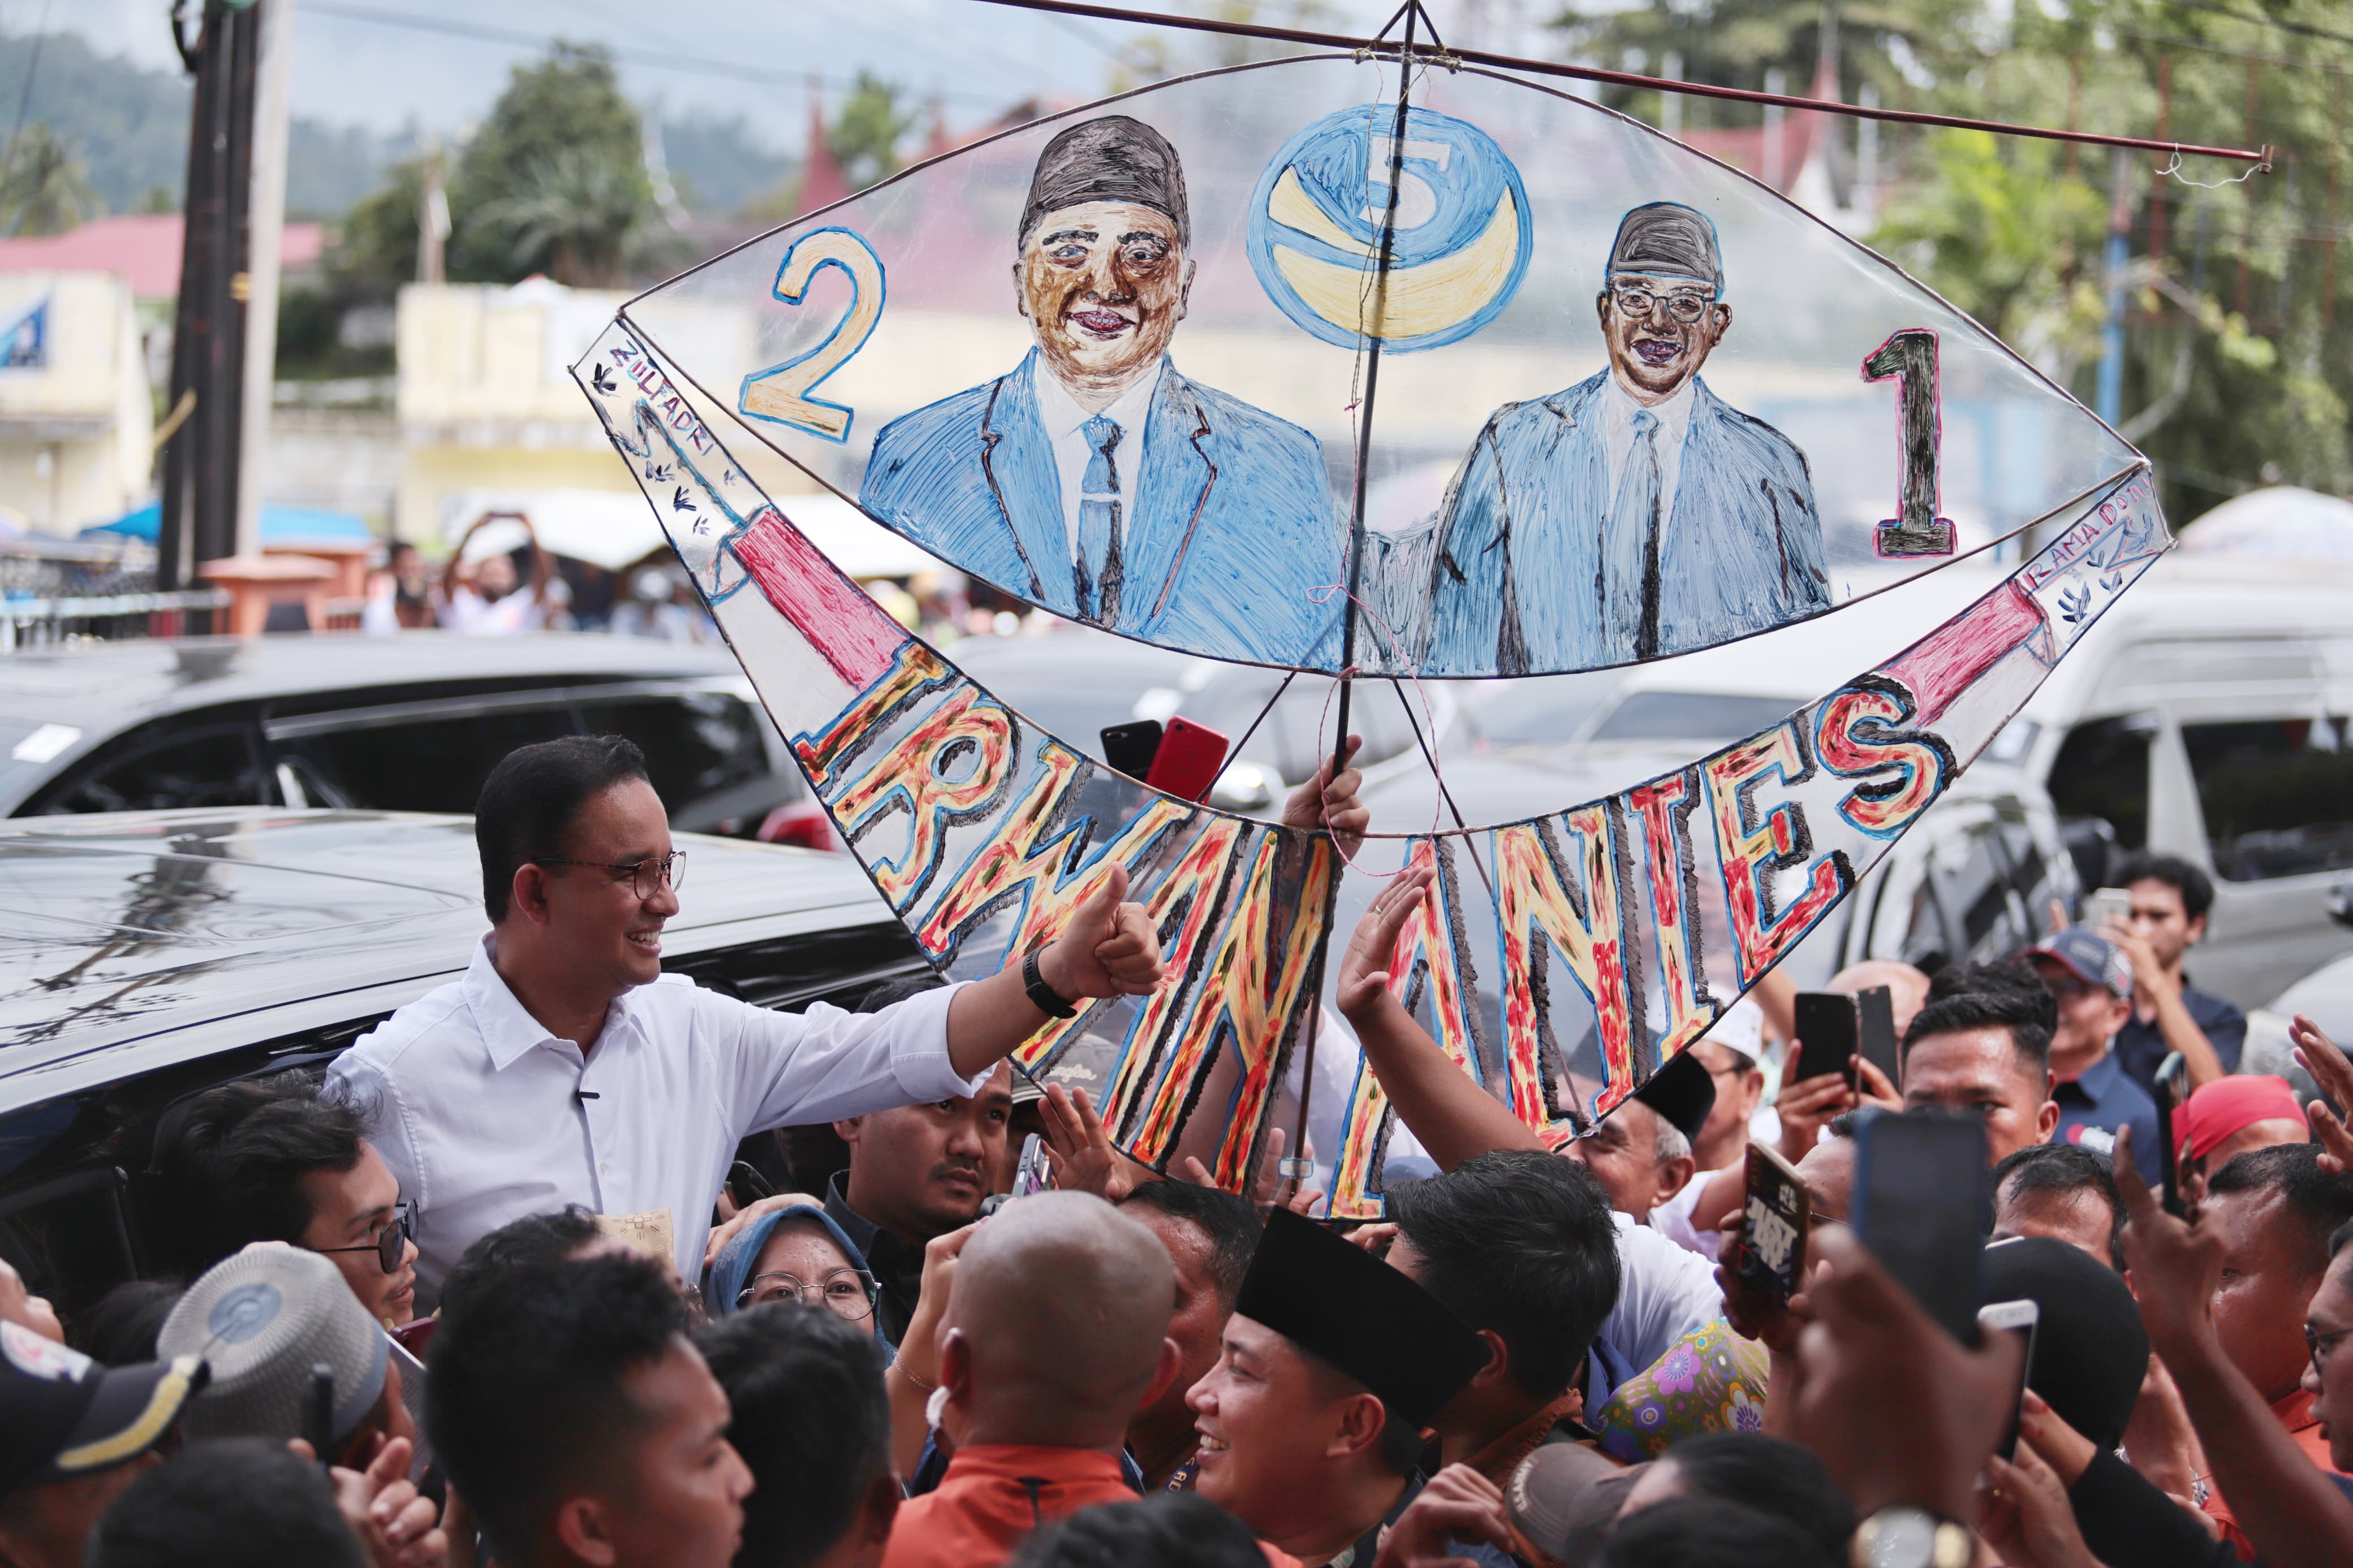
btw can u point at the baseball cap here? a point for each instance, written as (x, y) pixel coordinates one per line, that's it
(263, 1318)
(2089, 956)
(1563, 1499)
(62, 1415)
(2215, 1110)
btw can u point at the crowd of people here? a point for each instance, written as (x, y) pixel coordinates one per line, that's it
(485, 1292)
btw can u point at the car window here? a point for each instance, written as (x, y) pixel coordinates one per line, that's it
(696, 743)
(1690, 716)
(2102, 771)
(2276, 794)
(1974, 877)
(434, 764)
(219, 765)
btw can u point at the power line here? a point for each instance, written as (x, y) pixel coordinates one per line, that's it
(32, 70)
(657, 59)
(1376, 46)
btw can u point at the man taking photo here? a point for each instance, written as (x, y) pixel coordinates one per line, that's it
(566, 1068)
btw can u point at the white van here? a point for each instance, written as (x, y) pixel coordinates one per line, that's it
(2205, 715)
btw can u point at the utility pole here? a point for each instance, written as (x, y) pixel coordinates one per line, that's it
(200, 462)
(274, 48)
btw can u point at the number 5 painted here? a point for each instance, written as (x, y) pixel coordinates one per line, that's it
(781, 393)
(1910, 357)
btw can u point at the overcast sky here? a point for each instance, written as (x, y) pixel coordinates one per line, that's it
(354, 65)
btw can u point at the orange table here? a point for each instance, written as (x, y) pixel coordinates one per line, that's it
(350, 558)
(256, 583)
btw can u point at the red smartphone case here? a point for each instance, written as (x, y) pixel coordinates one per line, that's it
(1188, 759)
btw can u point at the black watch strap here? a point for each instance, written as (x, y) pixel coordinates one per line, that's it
(1041, 994)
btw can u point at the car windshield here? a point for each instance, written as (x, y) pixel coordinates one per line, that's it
(1692, 716)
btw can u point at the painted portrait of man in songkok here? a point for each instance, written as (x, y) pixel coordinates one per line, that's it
(1095, 478)
(1635, 514)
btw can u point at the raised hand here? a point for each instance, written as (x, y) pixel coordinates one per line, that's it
(2174, 1267)
(1080, 1149)
(1330, 804)
(1458, 1504)
(1364, 967)
(727, 1231)
(2321, 1057)
(1876, 1365)
(1109, 949)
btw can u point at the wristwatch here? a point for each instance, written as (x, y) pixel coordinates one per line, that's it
(1042, 995)
(1909, 1538)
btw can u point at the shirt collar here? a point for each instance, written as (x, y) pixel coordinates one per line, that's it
(2098, 1080)
(1674, 413)
(506, 1025)
(1059, 413)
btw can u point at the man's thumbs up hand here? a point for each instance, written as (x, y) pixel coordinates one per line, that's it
(1108, 950)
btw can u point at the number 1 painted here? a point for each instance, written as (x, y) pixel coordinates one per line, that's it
(1910, 357)
(781, 393)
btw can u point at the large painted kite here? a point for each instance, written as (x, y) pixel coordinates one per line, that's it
(1119, 363)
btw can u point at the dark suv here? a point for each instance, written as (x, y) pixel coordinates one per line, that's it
(405, 723)
(144, 957)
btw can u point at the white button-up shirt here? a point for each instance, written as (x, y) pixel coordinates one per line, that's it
(485, 1116)
(1674, 422)
(1066, 432)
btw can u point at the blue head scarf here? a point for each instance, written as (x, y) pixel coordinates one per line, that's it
(733, 1268)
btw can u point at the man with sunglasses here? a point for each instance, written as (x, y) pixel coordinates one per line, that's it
(2091, 981)
(1635, 514)
(566, 1068)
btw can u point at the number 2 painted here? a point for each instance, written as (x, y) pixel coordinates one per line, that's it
(781, 393)
(1910, 357)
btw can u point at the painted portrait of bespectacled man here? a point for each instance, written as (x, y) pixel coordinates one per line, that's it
(1095, 478)
(1635, 514)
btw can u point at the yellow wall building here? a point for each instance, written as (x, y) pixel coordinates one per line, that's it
(77, 427)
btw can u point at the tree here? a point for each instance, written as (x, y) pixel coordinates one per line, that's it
(560, 126)
(866, 134)
(44, 184)
(374, 247)
(576, 210)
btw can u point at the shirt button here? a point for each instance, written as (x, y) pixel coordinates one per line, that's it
(604, 1170)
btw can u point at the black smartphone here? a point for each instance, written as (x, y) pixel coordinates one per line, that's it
(2172, 1085)
(1829, 1029)
(1922, 1206)
(2020, 1318)
(1130, 748)
(1778, 1213)
(1875, 1029)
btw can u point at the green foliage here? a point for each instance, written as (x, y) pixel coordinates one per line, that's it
(2002, 232)
(2239, 335)
(866, 134)
(44, 184)
(561, 129)
(375, 249)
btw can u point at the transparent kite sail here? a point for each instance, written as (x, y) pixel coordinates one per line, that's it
(1609, 933)
(1561, 473)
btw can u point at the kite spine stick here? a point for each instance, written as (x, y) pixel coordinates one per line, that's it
(1377, 325)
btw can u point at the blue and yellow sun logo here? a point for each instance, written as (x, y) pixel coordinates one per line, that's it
(1462, 242)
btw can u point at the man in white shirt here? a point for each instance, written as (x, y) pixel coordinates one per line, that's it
(566, 1068)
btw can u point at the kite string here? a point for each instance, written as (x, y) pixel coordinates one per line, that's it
(2172, 171)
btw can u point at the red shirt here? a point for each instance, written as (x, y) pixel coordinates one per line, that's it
(994, 1494)
(2295, 1414)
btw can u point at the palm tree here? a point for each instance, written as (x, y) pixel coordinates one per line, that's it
(577, 210)
(44, 187)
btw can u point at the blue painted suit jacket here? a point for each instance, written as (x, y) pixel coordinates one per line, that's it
(1230, 524)
(1518, 585)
